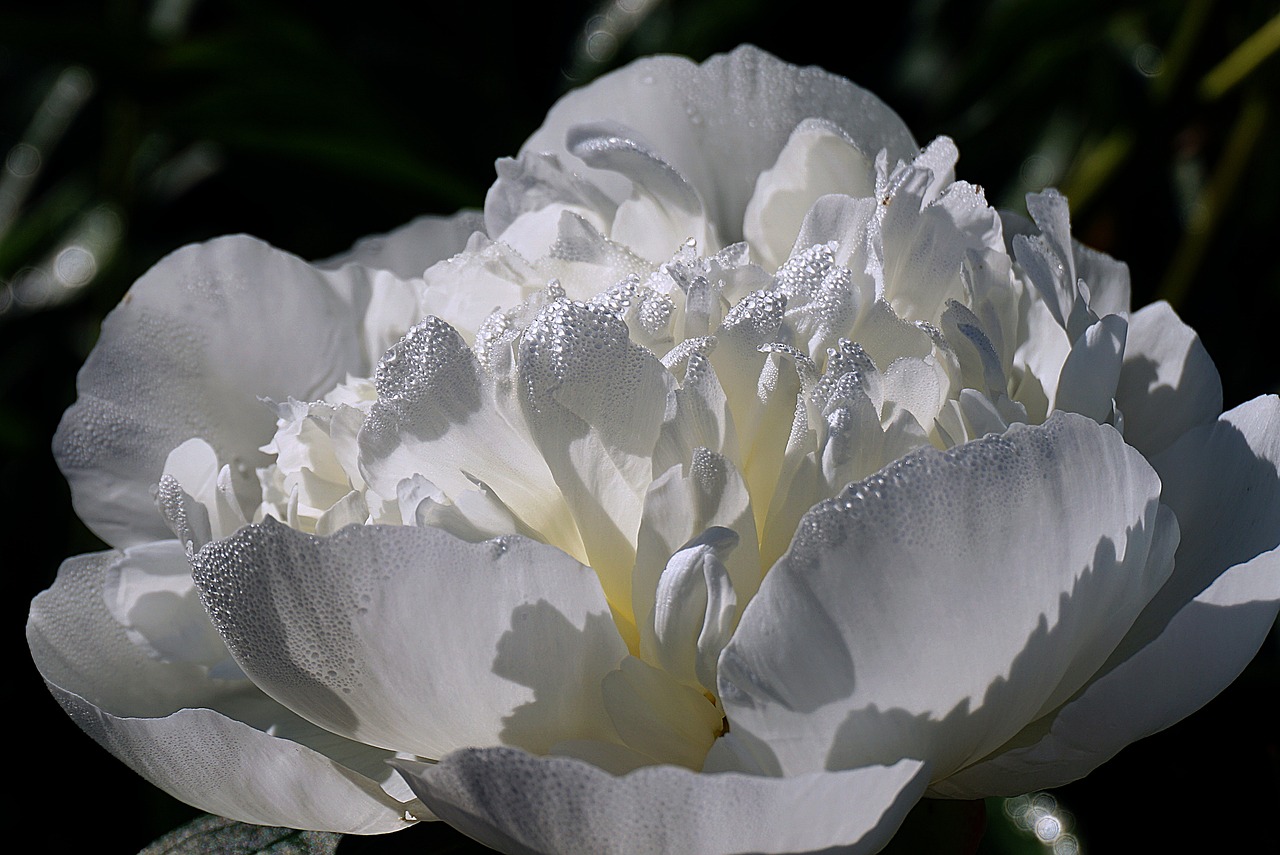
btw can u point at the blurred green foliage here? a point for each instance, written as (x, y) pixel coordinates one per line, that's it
(129, 128)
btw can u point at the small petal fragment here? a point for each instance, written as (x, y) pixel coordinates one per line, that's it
(1168, 384)
(412, 248)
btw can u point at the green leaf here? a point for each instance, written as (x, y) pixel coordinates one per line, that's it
(214, 835)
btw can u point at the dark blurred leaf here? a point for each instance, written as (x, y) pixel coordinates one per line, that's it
(213, 835)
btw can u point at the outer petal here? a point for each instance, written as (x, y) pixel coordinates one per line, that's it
(935, 608)
(722, 123)
(225, 767)
(188, 353)
(523, 804)
(412, 248)
(1168, 383)
(414, 640)
(1202, 650)
(1221, 480)
(142, 710)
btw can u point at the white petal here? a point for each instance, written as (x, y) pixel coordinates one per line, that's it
(228, 768)
(522, 804)
(1196, 634)
(722, 123)
(203, 740)
(818, 159)
(80, 645)
(1087, 384)
(412, 248)
(1201, 651)
(523, 206)
(658, 717)
(188, 353)
(414, 640)
(924, 248)
(1168, 384)
(695, 610)
(1220, 479)
(1038, 359)
(467, 288)
(1106, 278)
(697, 413)
(664, 210)
(594, 402)
(761, 390)
(682, 503)
(934, 609)
(439, 415)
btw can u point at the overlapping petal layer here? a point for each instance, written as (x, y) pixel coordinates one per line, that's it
(750, 466)
(216, 742)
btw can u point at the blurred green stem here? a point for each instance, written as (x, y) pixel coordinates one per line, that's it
(1095, 166)
(1190, 26)
(1242, 60)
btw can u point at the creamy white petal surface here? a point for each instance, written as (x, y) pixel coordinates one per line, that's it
(738, 478)
(413, 640)
(522, 804)
(1052, 537)
(188, 721)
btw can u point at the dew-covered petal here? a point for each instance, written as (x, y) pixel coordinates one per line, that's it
(924, 244)
(466, 288)
(522, 208)
(663, 211)
(722, 123)
(1003, 571)
(1168, 383)
(1047, 258)
(522, 804)
(697, 413)
(129, 653)
(414, 640)
(582, 261)
(188, 353)
(843, 220)
(413, 247)
(126, 631)
(440, 416)
(818, 159)
(1199, 653)
(594, 402)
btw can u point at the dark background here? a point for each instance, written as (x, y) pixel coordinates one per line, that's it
(310, 124)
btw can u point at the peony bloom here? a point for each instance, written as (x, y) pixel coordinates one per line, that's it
(736, 480)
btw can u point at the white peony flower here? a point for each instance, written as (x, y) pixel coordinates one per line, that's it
(739, 479)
